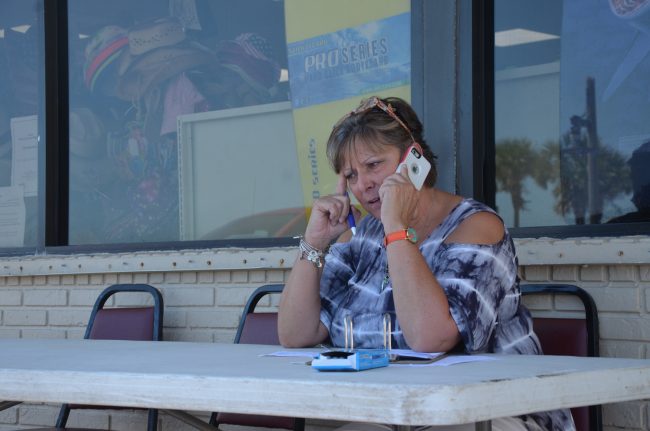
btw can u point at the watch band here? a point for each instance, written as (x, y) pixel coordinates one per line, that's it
(407, 234)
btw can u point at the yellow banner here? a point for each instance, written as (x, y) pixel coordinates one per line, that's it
(341, 51)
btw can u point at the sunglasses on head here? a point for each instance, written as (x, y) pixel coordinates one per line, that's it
(375, 102)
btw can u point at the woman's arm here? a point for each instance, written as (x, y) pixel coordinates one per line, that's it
(299, 314)
(419, 297)
(420, 301)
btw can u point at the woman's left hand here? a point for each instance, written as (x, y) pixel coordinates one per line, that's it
(399, 201)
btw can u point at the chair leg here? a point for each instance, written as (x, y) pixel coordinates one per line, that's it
(152, 420)
(62, 420)
(299, 424)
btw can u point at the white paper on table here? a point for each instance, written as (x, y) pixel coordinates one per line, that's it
(24, 158)
(450, 360)
(12, 217)
(414, 354)
(443, 362)
(293, 354)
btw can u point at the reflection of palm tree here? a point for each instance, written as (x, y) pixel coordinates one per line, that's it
(571, 192)
(516, 159)
(563, 165)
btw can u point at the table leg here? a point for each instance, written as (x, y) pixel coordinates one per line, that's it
(190, 420)
(6, 404)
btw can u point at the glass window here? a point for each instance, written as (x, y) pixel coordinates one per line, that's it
(571, 103)
(21, 101)
(196, 119)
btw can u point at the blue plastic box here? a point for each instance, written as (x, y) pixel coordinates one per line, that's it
(351, 360)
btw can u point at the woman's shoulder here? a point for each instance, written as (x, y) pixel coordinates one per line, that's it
(475, 223)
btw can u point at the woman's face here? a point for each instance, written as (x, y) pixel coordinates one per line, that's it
(365, 169)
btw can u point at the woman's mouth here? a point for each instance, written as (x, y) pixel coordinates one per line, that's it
(374, 202)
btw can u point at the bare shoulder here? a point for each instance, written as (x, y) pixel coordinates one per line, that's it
(480, 228)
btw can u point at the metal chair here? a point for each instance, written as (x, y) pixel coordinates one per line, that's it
(136, 323)
(571, 337)
(254, 328)
(258, 328)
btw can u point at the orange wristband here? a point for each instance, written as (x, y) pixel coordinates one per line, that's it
(407, 234)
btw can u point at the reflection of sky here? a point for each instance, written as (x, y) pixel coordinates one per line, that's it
(529, 83)
(594, 43)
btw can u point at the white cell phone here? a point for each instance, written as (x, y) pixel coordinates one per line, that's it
(418, 166)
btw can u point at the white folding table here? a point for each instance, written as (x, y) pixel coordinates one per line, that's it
(183, 376)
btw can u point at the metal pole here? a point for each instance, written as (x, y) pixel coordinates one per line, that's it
(594, 197)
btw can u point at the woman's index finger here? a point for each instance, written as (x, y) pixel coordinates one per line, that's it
(341, 185)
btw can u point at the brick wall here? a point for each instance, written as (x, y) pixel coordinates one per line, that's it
(204, 304)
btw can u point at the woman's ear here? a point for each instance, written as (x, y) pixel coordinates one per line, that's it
(418, 147)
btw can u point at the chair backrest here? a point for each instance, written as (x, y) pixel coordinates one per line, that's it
(138, 323)
(571, 337)
(133, 323)
(258, 328)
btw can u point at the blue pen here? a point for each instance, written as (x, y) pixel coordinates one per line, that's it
(351, 222)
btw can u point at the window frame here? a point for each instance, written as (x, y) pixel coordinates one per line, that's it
(54, 159)
(462, 119)
(484, 138)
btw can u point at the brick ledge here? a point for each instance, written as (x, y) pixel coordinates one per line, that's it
(531, 251)
(156, 261)
(613, 251)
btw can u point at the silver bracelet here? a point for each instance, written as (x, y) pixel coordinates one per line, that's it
(312, 254)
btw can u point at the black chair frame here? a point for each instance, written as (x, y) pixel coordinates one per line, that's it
(251, 304)
(591, 321)
(152, 418)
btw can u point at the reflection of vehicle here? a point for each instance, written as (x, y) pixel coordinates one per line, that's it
(287, 222)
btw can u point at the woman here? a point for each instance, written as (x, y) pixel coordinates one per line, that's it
(442, 267)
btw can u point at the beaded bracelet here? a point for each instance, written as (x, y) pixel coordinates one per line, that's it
(312, 254)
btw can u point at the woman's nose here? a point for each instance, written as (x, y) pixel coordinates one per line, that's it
(365, 182)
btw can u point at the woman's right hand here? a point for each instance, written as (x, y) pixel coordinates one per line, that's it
(329, 216)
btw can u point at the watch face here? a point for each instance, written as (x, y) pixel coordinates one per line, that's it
(411, 235)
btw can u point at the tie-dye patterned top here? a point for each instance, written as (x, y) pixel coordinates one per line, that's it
(480, 281)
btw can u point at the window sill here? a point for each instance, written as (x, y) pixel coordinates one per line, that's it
(155, 261)
(571, 251)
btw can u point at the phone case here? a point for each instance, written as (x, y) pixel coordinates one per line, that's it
(418, 166)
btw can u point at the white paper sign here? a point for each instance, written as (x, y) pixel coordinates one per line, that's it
(12, 217)
(24, 161)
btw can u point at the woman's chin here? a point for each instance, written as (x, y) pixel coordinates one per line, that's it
(374, 209)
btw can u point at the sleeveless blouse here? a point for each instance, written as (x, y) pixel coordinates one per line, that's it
(479, 280)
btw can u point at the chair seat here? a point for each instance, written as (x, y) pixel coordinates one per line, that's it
(259, 421)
